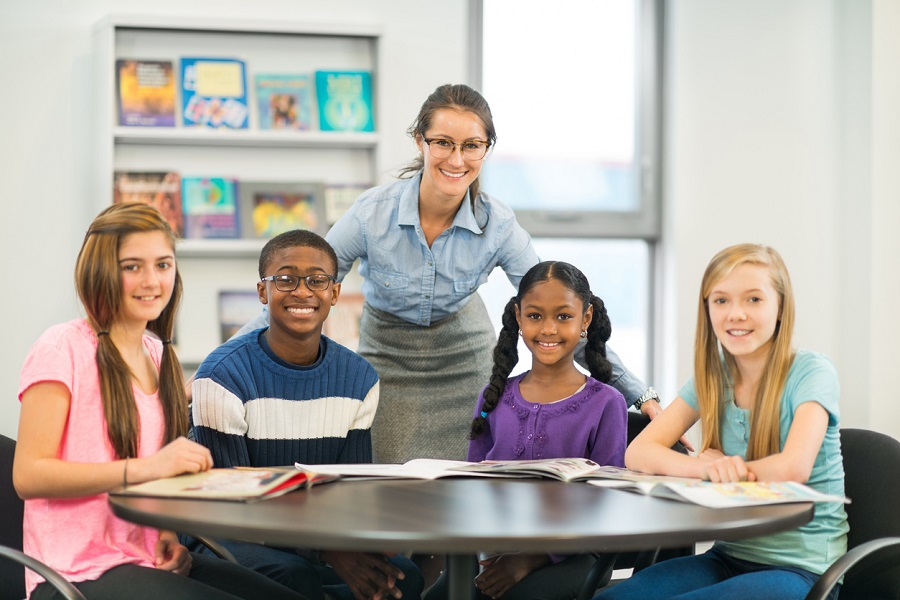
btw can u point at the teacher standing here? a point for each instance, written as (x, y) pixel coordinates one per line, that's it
(425, 244)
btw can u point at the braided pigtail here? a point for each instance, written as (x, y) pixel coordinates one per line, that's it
(598, 333)
(506, 356)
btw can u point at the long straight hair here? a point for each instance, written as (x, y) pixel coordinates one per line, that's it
(98, 280)
(712, 375)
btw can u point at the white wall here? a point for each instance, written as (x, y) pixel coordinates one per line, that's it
(46, 139)
(782, 129)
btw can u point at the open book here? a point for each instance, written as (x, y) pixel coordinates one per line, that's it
(706, 493)
(563, 469)
(240, 484)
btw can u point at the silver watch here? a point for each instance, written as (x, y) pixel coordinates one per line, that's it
(650, 394)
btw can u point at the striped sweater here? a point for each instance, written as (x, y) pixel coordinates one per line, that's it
(252, 409)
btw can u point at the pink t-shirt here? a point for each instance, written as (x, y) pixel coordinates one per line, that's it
(80, 537)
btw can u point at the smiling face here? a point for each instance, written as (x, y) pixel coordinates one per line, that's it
(552, 317)
(744, 311)
(448, 179)
(297, 316)
(147, 266)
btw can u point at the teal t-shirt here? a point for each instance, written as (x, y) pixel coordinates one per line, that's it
(814, 546)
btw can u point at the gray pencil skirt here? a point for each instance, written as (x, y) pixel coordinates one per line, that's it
(430, 379)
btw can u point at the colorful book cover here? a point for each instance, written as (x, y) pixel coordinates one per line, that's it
(214, 93)
(161, 190)
(210, 207)
(284, 101)
(269, 208)
(277, 212)
(345, 100)
(145, 93)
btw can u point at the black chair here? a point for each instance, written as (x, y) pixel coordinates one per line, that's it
(601, 573)
(871, 567)
(12, 567)
(13, 560)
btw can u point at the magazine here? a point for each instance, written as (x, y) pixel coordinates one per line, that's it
(563, 469)
(210, 207)
(269, 208)
(159, 189)
(345, 100)
(214, 93)
(706, 493)
(284, 101)
(145, 93)
(242, 484)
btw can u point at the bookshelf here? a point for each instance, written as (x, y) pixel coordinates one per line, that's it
(209, 266)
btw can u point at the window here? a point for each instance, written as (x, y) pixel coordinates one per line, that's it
(575, 91)
(619, 274)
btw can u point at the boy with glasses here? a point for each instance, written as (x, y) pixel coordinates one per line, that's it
(286, 394)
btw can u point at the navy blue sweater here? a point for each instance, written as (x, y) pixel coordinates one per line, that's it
(252, 409)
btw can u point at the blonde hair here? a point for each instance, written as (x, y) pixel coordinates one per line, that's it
(98, 280)
(712, 377)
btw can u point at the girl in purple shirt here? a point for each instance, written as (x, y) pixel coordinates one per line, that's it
(552, 411)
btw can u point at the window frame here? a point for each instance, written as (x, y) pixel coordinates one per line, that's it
(645, 222)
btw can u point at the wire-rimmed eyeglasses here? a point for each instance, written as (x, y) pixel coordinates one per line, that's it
(288, 283)
(470, 149)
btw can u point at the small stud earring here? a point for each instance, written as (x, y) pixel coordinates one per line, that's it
(584, 333)
(520, 333)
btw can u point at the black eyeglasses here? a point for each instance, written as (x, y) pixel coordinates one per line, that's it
(288, 283)
(470, 149)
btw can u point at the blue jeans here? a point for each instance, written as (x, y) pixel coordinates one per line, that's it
(309, 578)
(714, 576)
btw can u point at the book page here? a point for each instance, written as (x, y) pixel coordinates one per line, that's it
(420, 468)
(714, 495)
(621, 474)
(222, 484)
(565, 469)
(744, 493)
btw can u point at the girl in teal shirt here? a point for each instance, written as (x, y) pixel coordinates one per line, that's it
(768, 413)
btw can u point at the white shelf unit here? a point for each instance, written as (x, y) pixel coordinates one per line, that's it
(210, 266)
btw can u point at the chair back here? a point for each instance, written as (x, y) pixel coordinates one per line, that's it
(12, 574)
(872, 482)
(636, 424)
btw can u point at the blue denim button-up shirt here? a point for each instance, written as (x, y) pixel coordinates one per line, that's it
(403, 276)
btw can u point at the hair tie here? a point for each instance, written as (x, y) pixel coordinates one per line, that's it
(483, 415)
(99, 333)
(165, 342)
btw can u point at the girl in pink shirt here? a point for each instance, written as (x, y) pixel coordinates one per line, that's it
(103, 405)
